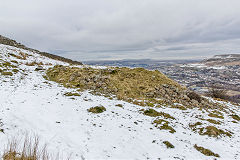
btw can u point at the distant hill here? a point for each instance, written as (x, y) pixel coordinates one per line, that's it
(10, 42)
(224, 60)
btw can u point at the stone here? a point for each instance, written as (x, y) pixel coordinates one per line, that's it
(39, 68)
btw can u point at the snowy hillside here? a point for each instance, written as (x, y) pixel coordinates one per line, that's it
(30, 103)
(223, 60)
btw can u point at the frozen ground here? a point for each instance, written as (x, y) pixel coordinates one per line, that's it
(29, 103)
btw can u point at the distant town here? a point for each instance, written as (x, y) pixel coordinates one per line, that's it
(190, 73)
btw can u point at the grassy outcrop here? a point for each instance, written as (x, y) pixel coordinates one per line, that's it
(138, 85)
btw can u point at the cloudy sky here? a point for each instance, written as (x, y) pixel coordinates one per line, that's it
(124, 29)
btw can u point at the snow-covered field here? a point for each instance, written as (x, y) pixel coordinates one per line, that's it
(29, 103)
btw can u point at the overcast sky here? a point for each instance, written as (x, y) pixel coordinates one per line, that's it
(124, 29)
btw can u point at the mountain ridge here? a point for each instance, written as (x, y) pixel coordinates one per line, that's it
(224, 60)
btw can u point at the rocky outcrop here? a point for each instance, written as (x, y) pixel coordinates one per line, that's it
(139, 86)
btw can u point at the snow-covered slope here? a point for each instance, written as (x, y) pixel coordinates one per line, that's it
(30, 103)
(223, 60)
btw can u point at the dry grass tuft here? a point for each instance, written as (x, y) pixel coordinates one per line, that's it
(205, 151)
(29, 150)
(34, 63)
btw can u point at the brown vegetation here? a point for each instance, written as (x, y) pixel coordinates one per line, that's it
(205, 151)
(138, 86)
(97, 109)
(30, 150)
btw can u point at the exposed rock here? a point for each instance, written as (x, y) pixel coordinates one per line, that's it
(39, 68)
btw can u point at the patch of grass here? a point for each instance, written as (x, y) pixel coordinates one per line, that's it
(8, 65)
(153, 113)
(34, 63)
(7, 73)
(71, 94)
(205, 151)
(150, 104)
(14, 61)
(119, 105)
(215, 115)
(236, 117)
(212, 131)
(213, 121)
(163, 125)
(97, 109)
(30, 150)
(168, 144)
(181, 107)
(17, 56)
(15, 70)
(194, 126)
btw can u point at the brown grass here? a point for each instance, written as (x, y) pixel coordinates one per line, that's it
(34, 63)
(205, 151)
(124, 83)
(29, 150)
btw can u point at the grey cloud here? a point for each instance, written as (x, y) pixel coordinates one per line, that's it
(123, 28)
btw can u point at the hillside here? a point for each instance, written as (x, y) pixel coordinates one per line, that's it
(10, 42)
(109, 112)
(223, 60)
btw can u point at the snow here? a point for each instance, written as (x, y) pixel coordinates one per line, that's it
(29, 103)
(199, 65)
